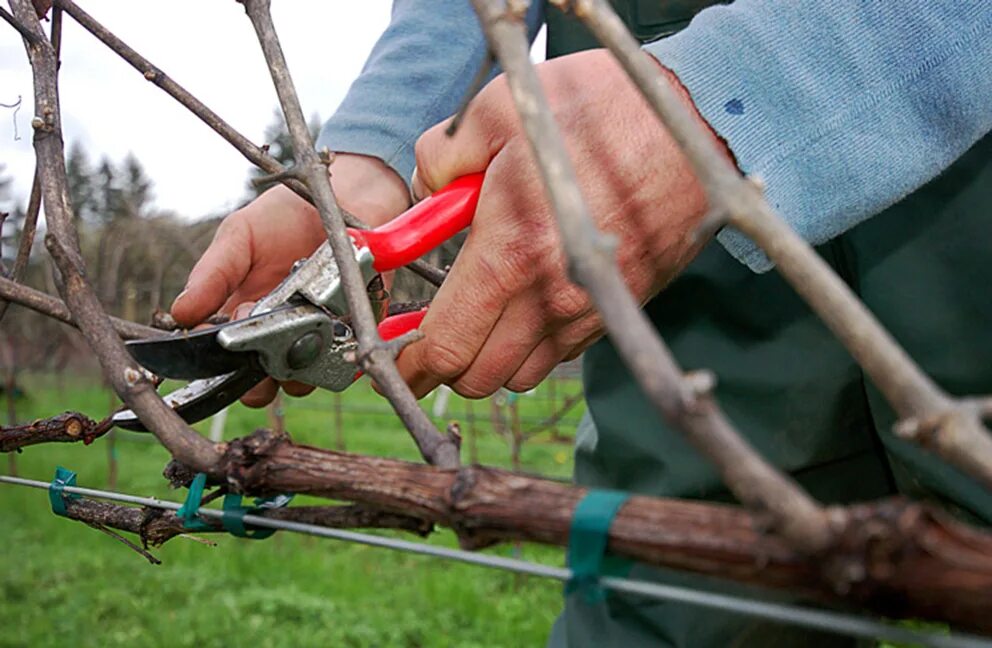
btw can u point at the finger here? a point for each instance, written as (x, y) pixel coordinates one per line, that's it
(215, 276)
(296, 389)
(516, 335)
(542, 360)
(242, 310)
(261, 394)
(460, 318)
(489, 122)
(566, 344)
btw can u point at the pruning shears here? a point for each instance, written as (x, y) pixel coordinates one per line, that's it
(301, 330)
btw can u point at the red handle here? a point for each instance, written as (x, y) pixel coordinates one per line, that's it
(424, 226)
(396, 325)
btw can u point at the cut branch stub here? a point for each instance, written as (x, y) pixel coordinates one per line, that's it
(68, 427)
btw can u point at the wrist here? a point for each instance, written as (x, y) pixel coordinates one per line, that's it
(368, 188)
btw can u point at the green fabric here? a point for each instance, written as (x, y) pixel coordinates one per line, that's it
(648, 19)
(922, 267)
(56, 495)
(587, 540)
(188, 511)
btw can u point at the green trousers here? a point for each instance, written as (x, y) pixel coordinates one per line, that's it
(922, 267)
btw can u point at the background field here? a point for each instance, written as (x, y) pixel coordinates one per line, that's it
(63, 584)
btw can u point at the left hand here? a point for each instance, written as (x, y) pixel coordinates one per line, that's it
(508, 314)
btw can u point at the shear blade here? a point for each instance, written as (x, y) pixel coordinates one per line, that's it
(191, 355)
(200, 399)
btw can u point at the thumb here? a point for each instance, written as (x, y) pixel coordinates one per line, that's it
(221, 269)
(489, 122)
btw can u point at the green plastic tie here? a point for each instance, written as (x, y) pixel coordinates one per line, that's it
(188, 511)
(56, 495)
(587, 540)
(234, 519)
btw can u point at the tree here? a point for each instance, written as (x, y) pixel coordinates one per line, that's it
(135, 189)
(107, 198)
(9, 222)
(280, 145)
(4, 183)
(82, 189)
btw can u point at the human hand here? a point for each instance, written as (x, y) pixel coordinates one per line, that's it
(507, 313)
(255, 247)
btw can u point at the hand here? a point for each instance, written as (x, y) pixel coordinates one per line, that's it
(256, 246)
(507, 313)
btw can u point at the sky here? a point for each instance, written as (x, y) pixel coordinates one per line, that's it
(207, 46)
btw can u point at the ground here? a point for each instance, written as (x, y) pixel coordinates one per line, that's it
(64, 584)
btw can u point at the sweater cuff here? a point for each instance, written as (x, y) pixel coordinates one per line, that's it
(841, 108)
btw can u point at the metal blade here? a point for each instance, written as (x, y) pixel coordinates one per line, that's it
(192, 355)
(201, 398)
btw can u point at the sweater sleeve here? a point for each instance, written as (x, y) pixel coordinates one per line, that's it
(415, 76)
(842, 107)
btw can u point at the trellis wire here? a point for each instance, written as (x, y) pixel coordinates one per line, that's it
(828, 621)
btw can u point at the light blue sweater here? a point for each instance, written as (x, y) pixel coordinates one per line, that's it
(842, 107)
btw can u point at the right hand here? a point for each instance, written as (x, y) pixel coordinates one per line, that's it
(255, 247)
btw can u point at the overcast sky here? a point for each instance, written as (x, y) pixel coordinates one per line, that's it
(208, 47)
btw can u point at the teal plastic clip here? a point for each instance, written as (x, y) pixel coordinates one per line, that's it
(233, 519)
(187, 512)
(587, 540)
(56, 495)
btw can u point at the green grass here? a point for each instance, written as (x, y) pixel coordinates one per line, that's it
(64, 584)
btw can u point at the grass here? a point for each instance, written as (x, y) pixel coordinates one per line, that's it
(62, 583)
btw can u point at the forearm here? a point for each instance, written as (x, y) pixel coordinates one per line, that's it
(842, 108)
(414, 78)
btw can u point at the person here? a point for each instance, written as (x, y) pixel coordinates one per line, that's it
(868, 123)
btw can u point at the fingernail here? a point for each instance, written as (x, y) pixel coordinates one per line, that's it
(179, 297)
(417, 189)
(243, 310)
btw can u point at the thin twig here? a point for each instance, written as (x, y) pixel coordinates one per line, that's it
(13, 118)
(790, 511)
(55, 308)
(127, 543)
(549, 422)
(473, 89)
(27, 238)
(25, 33)
(960, 437)
(436, 448)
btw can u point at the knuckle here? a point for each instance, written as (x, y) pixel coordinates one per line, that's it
(473, 388)
(522, 384)
(567, 303)
(445, 360)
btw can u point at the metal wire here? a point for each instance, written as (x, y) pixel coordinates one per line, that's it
(836, 622)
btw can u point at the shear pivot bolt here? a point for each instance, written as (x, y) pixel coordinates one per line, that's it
(305, 350)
